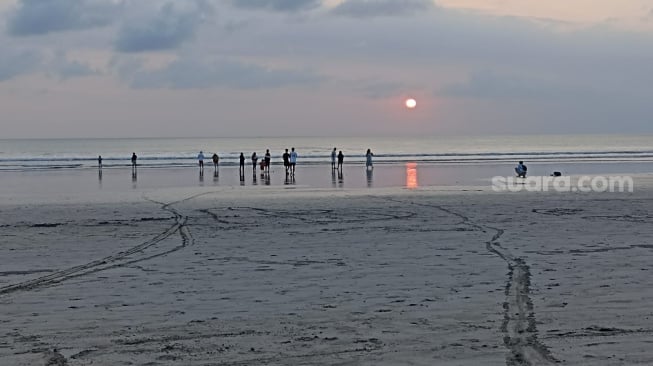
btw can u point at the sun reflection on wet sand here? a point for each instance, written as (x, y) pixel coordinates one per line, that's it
(411, 175)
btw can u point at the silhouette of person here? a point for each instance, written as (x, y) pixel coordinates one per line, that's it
(134, 177)
(242, 164)
(200, 159)
(267, 160)
(293, 160)
(254, 160)
(333, 158)
(341, 159)
(286, 160)
(99, 161)
(216, 160)
(368, 159)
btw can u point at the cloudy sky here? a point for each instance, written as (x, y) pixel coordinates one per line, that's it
(166, 68)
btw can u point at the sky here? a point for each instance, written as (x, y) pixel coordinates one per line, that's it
(232, 68)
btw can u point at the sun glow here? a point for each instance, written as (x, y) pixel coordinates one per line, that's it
(411, 103)
(411, 176)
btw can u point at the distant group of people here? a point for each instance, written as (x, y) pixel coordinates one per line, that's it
(265, 162)
(340, 157)
(215, 158)
(289, 161)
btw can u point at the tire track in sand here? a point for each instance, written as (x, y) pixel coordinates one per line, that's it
(118, 259)
(519, 325)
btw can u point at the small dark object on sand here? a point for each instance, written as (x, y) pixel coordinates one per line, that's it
(54, 358)
(556, 174)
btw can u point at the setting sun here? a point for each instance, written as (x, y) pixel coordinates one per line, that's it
(411, 103)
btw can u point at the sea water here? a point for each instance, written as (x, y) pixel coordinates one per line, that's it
(26, 154)
(67, 167)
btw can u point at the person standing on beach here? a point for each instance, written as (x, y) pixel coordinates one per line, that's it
(134, 157)
(341, 159)
(200, 159)
(286, 161)
(254, 159)
(267, 160)
(216, 160)
(99, 161)
(368, 159)
(293, 160)
(242, 164)
(333, 158)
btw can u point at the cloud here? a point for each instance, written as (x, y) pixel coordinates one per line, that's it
(380, 89)
(376, 8)
(187, 73)
(17, 62)
(491, 85)
(169, 27)
(277, 5)
(35, 17)
(65, 68)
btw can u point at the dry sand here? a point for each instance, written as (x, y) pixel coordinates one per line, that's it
(274, 276)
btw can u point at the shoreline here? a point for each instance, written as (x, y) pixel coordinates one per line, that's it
(52, 186)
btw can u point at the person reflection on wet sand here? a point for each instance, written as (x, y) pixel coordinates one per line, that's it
(290, 179)
(333, 176)
(267, 177)
(216, 176)
(134, 177)
(242, 176)
(341, 180)
(370, 177)
(254, 177)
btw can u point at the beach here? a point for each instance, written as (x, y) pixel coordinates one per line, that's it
(301, 275)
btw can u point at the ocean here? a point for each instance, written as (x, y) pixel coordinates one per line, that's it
(49, 154)
(44, 170)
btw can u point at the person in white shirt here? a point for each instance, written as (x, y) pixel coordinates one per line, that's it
(200, 158)
(293, 160)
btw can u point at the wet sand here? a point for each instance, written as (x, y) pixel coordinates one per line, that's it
(309, 276)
